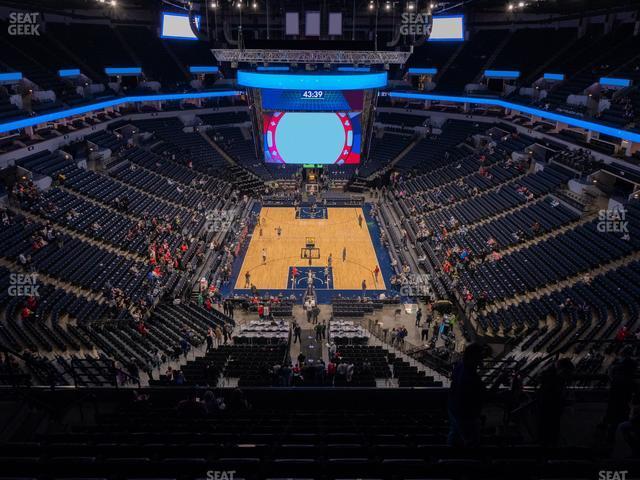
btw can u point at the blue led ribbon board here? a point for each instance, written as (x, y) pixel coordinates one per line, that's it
(312, 81)
(423, 71)
(133, 71)
(69, 72)
(272, 68)
(50, 117)
(354, 69)
(615, 82)
(596, 127)
(204, 69)
(554, 76)
(10, 77)
(501, 74)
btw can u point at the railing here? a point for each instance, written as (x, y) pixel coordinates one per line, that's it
(410, 349)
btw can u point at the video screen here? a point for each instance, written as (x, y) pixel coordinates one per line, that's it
(322, 138)
(447, 28)
(176, 26)
(312, 100)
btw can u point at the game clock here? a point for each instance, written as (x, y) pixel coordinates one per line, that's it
(313, 94)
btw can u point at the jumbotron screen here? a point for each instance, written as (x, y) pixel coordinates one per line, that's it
(312, 100)
(312, 137)
(312, 126)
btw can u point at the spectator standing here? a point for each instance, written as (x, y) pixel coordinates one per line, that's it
(551, 398)
(296, 332)
(466, 396)
(209, 340)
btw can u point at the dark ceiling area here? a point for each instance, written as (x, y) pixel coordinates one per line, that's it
(469, 6)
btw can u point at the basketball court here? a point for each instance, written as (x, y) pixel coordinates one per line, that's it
(299, 254)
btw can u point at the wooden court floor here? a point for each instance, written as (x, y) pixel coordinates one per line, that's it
(331, 235)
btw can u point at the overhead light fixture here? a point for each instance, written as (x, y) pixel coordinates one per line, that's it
(255, 5)
(387, 6)
(410, 6)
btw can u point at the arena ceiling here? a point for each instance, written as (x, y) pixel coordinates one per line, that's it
(471, 6)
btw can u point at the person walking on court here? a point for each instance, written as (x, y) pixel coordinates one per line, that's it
(418, 317)
(364, 288)
(260, 231)
(360, 221)
(247, 280)
(376, 272)
(279, 231)
(344, 254)
(264, 256)
(324, 329)
(330, 260)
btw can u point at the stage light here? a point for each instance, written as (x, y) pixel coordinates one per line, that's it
(114, 3)
(510, 7)
(521, 5)
(410, 6)
(239, 5)
(214, 5)
(371, 6)
(255, 5)
(387, 6)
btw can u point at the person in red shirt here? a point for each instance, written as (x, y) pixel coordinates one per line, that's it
(622, 334)
(260, 310)
(32, 303)
(447, 266)
(26, 313)
(142, 328)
